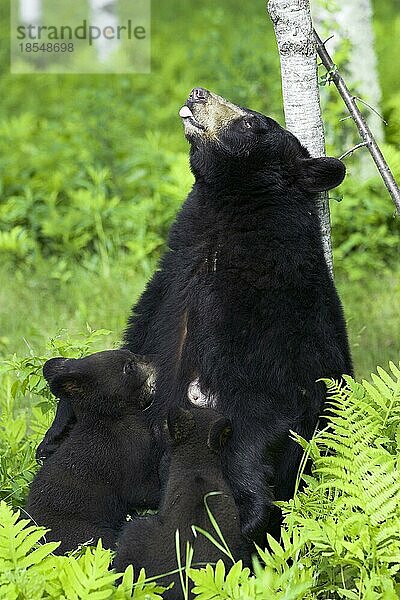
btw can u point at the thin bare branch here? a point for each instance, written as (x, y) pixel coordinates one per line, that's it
(362, 126)
(353, 149)
(329, 38)
(370, 107)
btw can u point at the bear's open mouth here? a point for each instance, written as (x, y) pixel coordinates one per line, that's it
(186, 113)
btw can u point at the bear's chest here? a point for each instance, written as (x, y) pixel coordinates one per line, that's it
(227, 270)
(221, 289)
(223, 316)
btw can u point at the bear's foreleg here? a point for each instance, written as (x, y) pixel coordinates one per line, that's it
(250, 478)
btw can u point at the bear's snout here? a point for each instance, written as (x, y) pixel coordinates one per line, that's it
(205, 114)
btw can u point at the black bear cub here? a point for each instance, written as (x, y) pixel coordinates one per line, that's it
(107, 465)
(197, 438)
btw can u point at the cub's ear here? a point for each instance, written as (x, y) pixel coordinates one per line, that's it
(180, 423)
(68, 385)
(219, 434)
(64, 378)
(55, 366)
(320, 174)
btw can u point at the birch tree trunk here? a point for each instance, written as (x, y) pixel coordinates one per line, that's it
(30, 11)
(351, 21)
(296, 44)
(103, 14)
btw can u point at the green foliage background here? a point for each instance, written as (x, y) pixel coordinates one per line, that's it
(92, 172)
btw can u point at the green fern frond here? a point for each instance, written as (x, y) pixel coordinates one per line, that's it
(25, 564)
(88, 577)
(19, 541)
(348, 515)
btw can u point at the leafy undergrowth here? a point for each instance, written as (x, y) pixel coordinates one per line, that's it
(28, 569)
(341, 537)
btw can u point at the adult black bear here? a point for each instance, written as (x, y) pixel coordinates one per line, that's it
(243, 301)
(197, 438)
(107, 465)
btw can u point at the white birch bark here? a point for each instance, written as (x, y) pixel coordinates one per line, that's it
(104, 14)
(30, 11)
(294, 35)
(352, 21)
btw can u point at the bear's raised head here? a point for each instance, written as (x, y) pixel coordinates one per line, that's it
(105, 383)
(231, 141)
(200, 429)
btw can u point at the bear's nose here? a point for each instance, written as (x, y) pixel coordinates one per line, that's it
(198, 95)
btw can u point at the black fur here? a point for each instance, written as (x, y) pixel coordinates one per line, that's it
(243, 299)
(107, 465)
(197, 438)
(63, 422)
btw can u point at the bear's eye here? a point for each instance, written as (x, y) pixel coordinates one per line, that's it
(128, 367)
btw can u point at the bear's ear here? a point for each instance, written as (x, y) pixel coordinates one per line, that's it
(68, 385)
(55, 366)
(320, 174)
(180, 423)
(219, 434)
(63, 376)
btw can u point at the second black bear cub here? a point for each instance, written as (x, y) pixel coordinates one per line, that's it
(195, 472)
(107, 465)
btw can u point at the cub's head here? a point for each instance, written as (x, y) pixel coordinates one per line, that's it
(197, 432)
(229, 139)
(105, 383)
